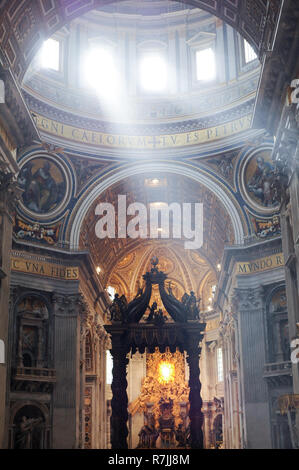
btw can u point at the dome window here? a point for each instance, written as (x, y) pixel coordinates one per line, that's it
(153, 72)
(249, 53)
(50, 54)
(205, 64)
(101, 71)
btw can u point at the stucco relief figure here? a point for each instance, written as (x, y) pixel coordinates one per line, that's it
(43, 185)
(226, 166)
(260, 182)
(28, 433)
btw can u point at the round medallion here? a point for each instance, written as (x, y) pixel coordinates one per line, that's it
(257, 176)
(44, 182)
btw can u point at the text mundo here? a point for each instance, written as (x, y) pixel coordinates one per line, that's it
(185, 221)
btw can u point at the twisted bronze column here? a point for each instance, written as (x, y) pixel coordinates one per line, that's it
(119, 402)
(195, 413)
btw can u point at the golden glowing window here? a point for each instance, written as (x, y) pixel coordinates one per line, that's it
(166, 372)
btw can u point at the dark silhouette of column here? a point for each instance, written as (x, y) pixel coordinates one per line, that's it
(195, 413)
(119, 402)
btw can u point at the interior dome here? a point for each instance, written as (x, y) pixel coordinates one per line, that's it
(206, 68)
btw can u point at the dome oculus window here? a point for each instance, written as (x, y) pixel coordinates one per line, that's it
(249, 54)
(153, 73)
(205, 64)
(50, 55)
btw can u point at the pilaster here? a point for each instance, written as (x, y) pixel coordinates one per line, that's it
(69, 312)
(249, 304)
(9, 194)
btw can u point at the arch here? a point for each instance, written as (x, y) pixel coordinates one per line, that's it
(86, 200)
(31, 293)
(21, 35)
(21, 404)
(123, 287)
(274, 290)
(40, 431)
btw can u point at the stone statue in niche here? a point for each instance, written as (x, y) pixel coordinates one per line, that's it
(118, 308)
(32, 332)
(28, 433)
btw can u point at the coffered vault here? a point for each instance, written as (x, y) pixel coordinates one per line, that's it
(123, 261)
(217, 222)
(220, 193)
